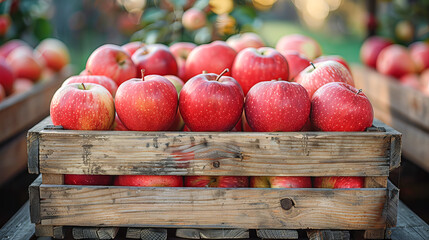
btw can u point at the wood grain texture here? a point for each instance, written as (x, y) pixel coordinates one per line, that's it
(19, 226)
(147, 233)
(21, 112)
(277, 234)
(94, 232)
(387, 91)
(13, 157)
(33, 145)
(34, 195)
(212, 208)
(414, 138)
(56, 232)
(328, 235)
(409, 226)
(56, 179)
(195, 233)
(193, 153)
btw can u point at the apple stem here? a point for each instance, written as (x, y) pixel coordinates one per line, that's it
(213, 180)
(312, 64)
(83, 85)
(204, 72)
(122, 62)
(222, 73)
(142, 71)
(359, 91)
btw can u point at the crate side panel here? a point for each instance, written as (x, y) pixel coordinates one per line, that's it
(247, 154)
(212, 208)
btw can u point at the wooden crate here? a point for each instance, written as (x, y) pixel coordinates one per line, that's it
(403, 108)
(372, 154)
(17, 115)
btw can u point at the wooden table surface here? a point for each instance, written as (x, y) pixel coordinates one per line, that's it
(410, 226)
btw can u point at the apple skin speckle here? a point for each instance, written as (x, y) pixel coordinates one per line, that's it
(277, 106)
(340, 107)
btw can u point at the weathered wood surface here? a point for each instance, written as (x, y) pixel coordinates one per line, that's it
(19, 113)
(196, 153)
(414, 140)
(194, 233)
(389, 93)
(211, 208)
(33, 145)
(19, 226)
(328, 235)
(13, 157)
(147, 233)
(277, 234)
(94, 232)
(34, 195)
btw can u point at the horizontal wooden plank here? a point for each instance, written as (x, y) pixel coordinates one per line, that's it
(196, 153)
(19, 113)
(212, 208)
(389, 92)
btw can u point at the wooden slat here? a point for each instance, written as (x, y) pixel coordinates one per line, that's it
(33, 145)
(19, 226)
(328, 235)
(277, 234)
(389, 92)
(56, 179)
(20, 112)
(191, 153)
(195, 233)
(375, 182)
(56, 232)
(409, 226)
(94, 232)
(212, 208)
(13, 157)
(147, 233)
(34, 195)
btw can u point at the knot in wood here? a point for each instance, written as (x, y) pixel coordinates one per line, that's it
(286, 203)
(216, 164)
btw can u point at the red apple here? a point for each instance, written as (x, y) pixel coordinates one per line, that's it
(335, 58)
(104, 81)
(2, 93)
(111, 61)
(82, 106)
(420, 54)
(411, 80)
(178, 122)
(147, 104)
(193, 19)
(7, 77)
(155, 59)
(217, 181)
(307, 126)
(54, 53)
(307, 46)
(280, 182)
(396, 61)
(102, 180)
(212, 58)
(277, 106)
(297, 62)
(149, 181)
(211, 102)
(181, 51)
(257, 65)
(118, 125)
(132, 47)
(9, 46)
(24, 64)
(338, 182)
(245, 124)
(22, 85)
(371, 48)
(244, 40)
(314, 77)
(339, 107)
(4, 24)
(84, 73)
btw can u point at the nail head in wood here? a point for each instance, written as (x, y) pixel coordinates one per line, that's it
(216, 164)
(286, 203)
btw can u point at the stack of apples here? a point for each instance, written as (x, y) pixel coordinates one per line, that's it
(22, 66)
(235, 85)
(409, 65)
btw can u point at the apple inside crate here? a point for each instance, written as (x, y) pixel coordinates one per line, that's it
(54, 152)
